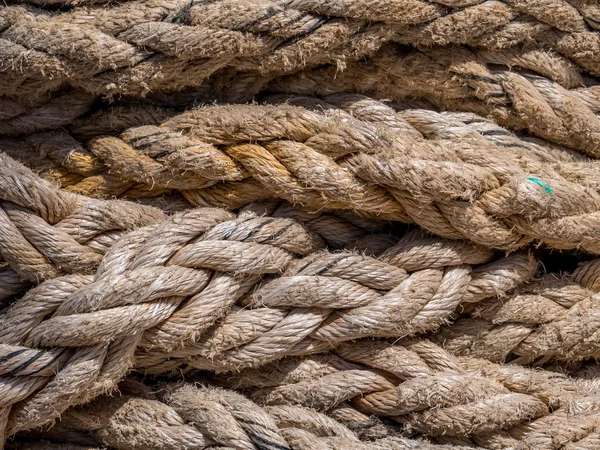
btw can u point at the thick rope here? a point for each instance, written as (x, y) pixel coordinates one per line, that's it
(185, 416)
(429, 391)
(144, 46)
(161, 288)
(459, 79)
(459, 186)
(45, 232)
(550, 319)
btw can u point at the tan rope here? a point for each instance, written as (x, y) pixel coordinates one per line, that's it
(45, 233)
(164, 286)
(190, 416)
(458, 79)
(418, 384)
(459, 186)
(552, 318)
(143, 46)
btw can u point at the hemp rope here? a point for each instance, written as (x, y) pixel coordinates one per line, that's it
(188, 416)
(458, 79)
(37, 247)
(550, 319)
(45, 232)
(143, 46)
(495, 195)
(161, 287)
(429, 391)
(57, 156)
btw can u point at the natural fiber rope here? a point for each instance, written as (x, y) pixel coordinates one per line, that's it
(420, 385)
(456, 400)
(486, 190)
(143, 46)
(458, 79)
(45, 233)
(35, 246)
(188, 416)
(552, 318)
(92, 330)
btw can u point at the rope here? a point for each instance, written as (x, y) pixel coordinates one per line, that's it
(318, 402)
(144, 46)
(458, 186)
(189, 416)
(160, 289)
(543, 103)
(550, 319)
(418, 384)
(45, 233)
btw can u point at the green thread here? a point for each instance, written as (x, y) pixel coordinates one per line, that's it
(547, 188)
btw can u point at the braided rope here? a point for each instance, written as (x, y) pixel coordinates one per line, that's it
(45, 233)
(418, 384)
(552, 318)
(143, 46)
(543, 103)
(500, 191)
(160, 288)
(189, 416)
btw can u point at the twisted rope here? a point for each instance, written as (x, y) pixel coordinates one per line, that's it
(188, 416)
(418, 384)
(550, 319)
(45, 233)
(456, 78)
(161, 288)
(500, 192)
(144, 46)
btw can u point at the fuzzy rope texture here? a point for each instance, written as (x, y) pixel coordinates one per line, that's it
(469, 179)
(183, 416)
(528, 91)
(460, 402)
(143, 46)
(463, 401)
(161, 288)
(45, 233)
(550, 318)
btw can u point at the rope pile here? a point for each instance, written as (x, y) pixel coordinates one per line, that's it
(297, 224)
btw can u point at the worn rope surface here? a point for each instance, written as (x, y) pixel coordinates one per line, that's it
(416, 383)
(498, 191)
(45, 233)
(143, 46)
(551, 318)
(188, 416)
(462, 402)
(161, 289)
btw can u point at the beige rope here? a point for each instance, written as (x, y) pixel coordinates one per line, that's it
(552, 318)
(144, 46)
(45, 233)
(420, 385)
(189, 416)
(163, 286)
(457, 78)
(459, 186)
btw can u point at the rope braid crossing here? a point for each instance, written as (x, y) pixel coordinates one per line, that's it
(416, 383)
(144, 46)
(47, 233)
(163, 287)
(553, 318)
(489, 191)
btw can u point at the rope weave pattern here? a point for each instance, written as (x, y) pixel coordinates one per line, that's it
(501, 192)
(143, 46)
